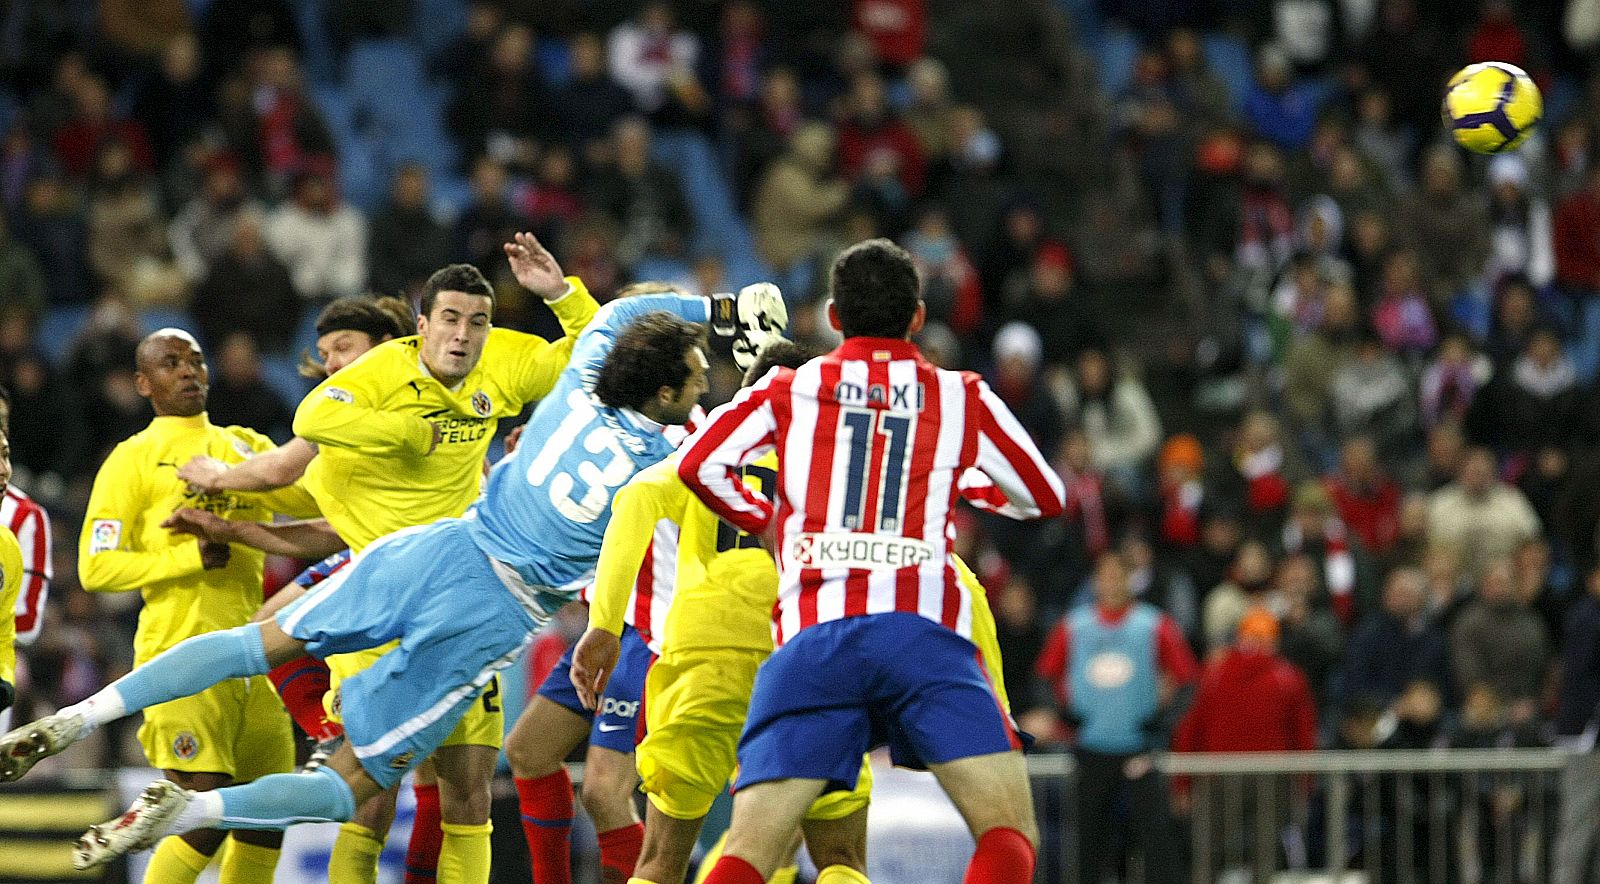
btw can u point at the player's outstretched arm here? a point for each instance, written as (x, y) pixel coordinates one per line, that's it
(310, 539)
(1028, 488)
(266, 471)
(735, 434)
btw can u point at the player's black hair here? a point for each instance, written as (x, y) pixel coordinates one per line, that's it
(455, 278)
(875, 290)
(651, 353)
(377, 317)
(779, 353)
(5, 409)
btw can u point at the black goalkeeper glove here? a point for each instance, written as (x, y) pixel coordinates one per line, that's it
(8, 695)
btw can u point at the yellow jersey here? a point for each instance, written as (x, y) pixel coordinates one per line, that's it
(124, 548)
(727, 583)
(10, 586)
(373, 473)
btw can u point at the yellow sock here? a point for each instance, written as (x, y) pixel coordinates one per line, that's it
(710, 860)
(639, 881)
(355, 855)
(175, 861)
(785, 875)
(841, 875)
(464, 855)
(247, 863)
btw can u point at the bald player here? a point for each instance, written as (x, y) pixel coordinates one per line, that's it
(235, 731)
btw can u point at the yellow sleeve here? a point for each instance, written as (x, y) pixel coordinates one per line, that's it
(343, 412)
(651, 495)
(11, 563)
(534, 364)
(984, 633)
(112, 525)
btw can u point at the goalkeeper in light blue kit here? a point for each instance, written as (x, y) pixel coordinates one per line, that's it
(463, 596)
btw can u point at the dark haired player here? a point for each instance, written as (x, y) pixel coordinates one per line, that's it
(874, 623)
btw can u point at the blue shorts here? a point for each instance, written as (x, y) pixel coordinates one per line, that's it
(620, 724)
(457, 622)
(841, 688)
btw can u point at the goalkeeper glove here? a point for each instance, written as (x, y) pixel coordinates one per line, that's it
(8, 695)
(751, 318)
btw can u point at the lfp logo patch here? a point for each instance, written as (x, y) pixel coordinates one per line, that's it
(105, 536)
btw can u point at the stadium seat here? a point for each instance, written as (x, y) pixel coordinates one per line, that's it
(718, 227)
(58, 328)
(1118, 51)
(1229, 59)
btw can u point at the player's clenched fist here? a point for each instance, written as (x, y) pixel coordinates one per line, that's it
(593, 661)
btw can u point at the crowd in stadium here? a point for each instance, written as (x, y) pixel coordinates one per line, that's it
(1324, 385)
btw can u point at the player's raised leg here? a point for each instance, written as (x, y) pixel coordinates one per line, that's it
(187, 668)
(465, 774)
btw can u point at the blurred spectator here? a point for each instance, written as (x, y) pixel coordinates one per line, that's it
(270, 122)
(1402, 315)
(1393, 647)
(641, 196)
(931, 109)
(551, 202)
(1123, 674)
(1007, 266)
(240, 396)
(1369, 246)
(1253, 225)
(1020, 632)
(655, 60)
(896, 29)
(231, 29)
(48, 436)
(1016, 379)
(247, 290)
(1373, 395)
(1533, 574)
(1221, 536)
(1517, 314)
(1054, 306)
(1149, 127)
(500, 110)
(1313, 361)
(22, 283)
(1250, 699)
(1577, 720)
(175, 102)
(1202, 94)
(1248, 585)
(1179, 469)
(1520, 234)
(464, 59)
(796, 202)
(970, 179)
(322, 240)
(78, 142)
(1498, 37)
(871, 134)
(1275, 107)
(1298, 299)
(100, 363)
(52, 225)
(1448, 226)
(1116, 413)
(950, 286)
(1091, 518)
(1577, 247)
(1259, 475)
(763, 130)
(1383, 141)
(590, 103)
(1409, 58)
(732, 68)
(1117, 251)
(1479, 515)
(1535, 404)
(488, 221)
(127, 239)
(1166, 589)
(203, 228)
(407, 243)
(1367, 500)
(1314, 529)
(1497, 641)
(1451, 381)
(1312, 636)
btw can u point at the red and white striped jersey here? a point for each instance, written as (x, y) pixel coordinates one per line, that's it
(874, 444)
(28, 520)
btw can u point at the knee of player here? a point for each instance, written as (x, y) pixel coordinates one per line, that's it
(530, 759)
(607, 792)
(1025, 826)
(465, 806)
(835, 852)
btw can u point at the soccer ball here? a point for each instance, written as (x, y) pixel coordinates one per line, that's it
(1491, 107)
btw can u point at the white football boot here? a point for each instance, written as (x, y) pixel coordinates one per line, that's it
(30, 744)
(149, 820)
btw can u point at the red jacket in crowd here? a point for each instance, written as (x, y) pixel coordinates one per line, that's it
(1372, 514)
(1249, 701)
(1577, 240)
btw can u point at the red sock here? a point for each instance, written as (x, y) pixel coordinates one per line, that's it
(1004, 857)
(422, 855)
(547, 824)
(619, 853)
(733, 870)
(301, 682)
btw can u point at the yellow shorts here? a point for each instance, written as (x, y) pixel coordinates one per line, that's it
(237, 727)
(695, 706)
(483, 725)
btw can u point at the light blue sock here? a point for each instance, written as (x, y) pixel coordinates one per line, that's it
(280, 800)
(193, 665)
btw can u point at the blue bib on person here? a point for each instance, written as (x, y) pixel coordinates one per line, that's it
(1113, 678)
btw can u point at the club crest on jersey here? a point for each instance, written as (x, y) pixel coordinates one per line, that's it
(895, 397)
(338, 394)
(481, 404)
(403, 760)
(242, 447)
(185, 746)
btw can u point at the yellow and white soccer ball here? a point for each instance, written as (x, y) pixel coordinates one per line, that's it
(1491, 107)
